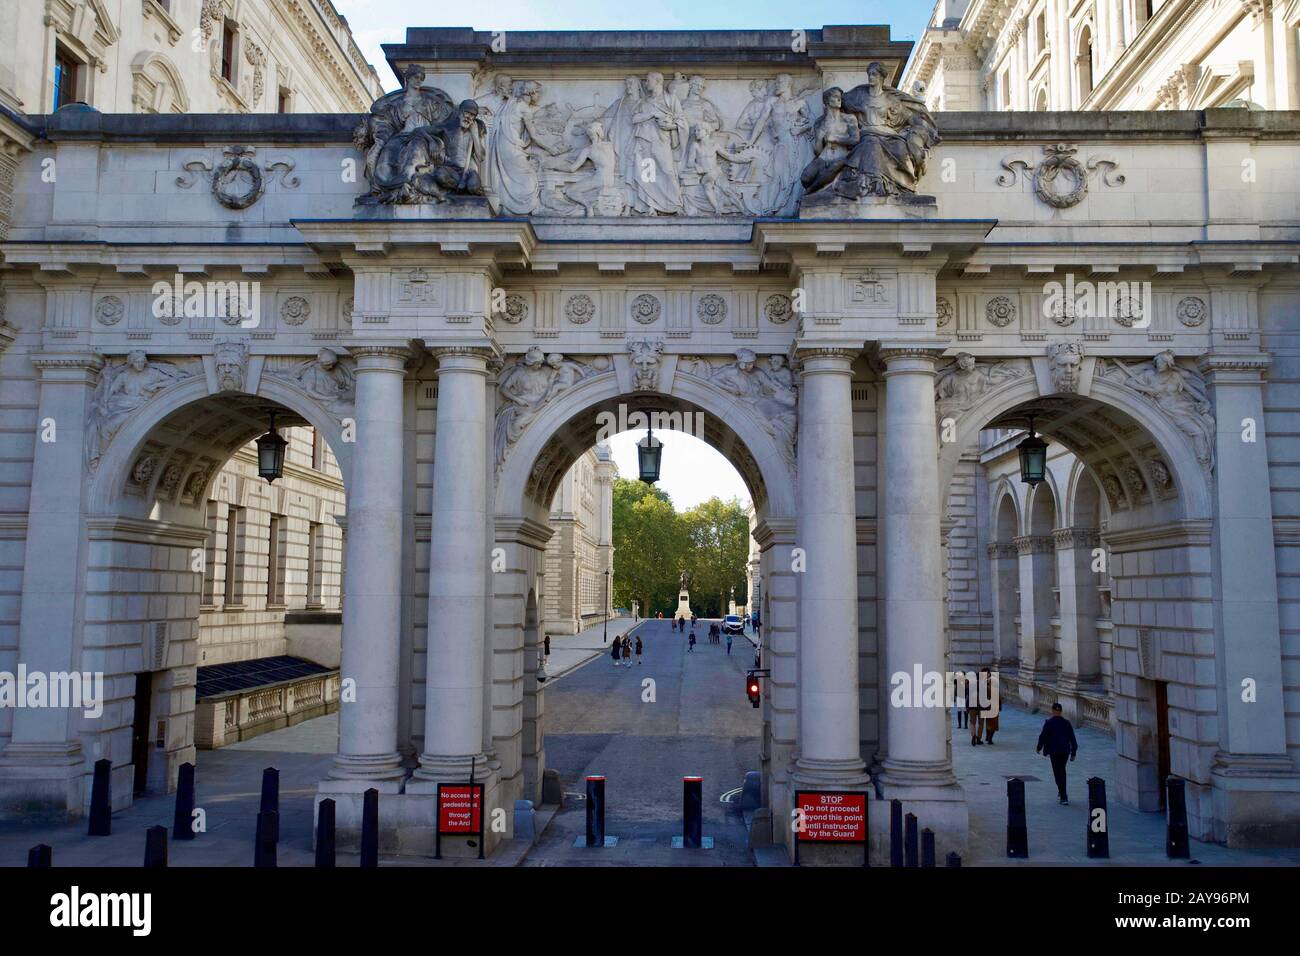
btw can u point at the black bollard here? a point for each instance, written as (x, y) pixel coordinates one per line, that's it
(1097, 833)
(954, 861)
(1017, 827)
(1176, 846)
(927, 847)
(268, 834)
(270, 791)
(101, 799)
(325, 834)
(155, 848)
(40, 857)
(692, 812)
(183, 821)
(910, 855)
(595, 811)
(370, 828)
(895, 832)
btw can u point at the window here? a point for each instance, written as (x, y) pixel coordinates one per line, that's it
(234, 557)
(228, 51)
(67, 74)
(275, 561)
(315, 541)
(1040, 33)
(282, 102)
(212, 521)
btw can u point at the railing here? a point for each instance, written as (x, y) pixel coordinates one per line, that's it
(241, 715)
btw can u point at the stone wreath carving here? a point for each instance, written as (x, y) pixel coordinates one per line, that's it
(123, 387)
(109, 310)
(237, 181)
(1192, 311)
(711, 309)
(1059, 179)
(779, 309)
(525, 387)
(579, 309)
(295, 310)
(965, 381)
(646, 309)
(516, 309)
(1000, 311)
(1178, 392)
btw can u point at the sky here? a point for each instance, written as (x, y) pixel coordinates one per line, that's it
(690, 470)
(375, 22)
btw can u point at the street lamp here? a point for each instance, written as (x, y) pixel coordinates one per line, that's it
(605, 639)
(270, 454)
(649, 451)
(1033, 457)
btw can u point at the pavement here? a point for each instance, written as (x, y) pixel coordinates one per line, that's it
(571, 651)
(644, 727)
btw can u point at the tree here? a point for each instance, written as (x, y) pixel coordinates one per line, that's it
(717, 535)
(649, 547)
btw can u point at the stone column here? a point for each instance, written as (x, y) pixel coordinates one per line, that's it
(1080, 607)
(1005, 570)
(458, 554)
(917, 766)
(1257, 791)
(1037, 605)
(829, 753)
(42, 768)
(372, 614)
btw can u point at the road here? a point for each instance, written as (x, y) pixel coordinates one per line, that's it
(691, 718)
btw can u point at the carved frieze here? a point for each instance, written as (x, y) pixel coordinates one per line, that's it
(525, 387)
(123, 387)
(1059, 179)
(1178, 392)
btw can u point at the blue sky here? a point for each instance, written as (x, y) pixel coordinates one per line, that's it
(375, 22)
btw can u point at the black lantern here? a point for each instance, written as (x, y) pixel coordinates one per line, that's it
(270, 454)
(1033, 457)
(648, 453)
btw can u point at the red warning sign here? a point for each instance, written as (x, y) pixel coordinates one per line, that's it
(831, 816)
(460, 808)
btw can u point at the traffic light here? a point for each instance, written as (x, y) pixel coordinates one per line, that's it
(754, 690)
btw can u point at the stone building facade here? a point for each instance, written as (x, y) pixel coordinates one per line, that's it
(1108, 55)
(455, 328)
(182, 56)
(581, 547)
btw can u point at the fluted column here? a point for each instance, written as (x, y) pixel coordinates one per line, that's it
(917, 762)
(829, 749)
(1080, 607)
(368, 755)
(458, 554)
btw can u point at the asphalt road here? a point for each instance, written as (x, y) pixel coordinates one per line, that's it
(692, 718)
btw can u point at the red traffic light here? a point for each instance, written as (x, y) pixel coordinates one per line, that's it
(754, 691)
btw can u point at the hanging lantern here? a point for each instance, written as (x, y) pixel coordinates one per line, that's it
(1033, 457)
(648, 453)
(270, 454)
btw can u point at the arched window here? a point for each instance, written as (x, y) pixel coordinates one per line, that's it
(1083, 64)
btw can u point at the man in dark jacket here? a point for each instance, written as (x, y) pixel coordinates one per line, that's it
(1057, 743)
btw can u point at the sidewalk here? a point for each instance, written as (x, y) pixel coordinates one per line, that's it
(571, 651)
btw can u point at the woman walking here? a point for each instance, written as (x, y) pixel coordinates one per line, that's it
(614, 651)
(627, 650)
(638, 649)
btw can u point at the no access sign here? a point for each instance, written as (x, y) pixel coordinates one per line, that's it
(830, 816)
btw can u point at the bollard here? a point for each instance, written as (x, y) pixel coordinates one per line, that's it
(692, 812)
(40, 857)
(155, 848)
(1097, 832)
(268, 834)
(895, 832)
(183, 821)
(101, 798)
(595, 811)
(270, 791)
(909, 841)
(927, 847)
(370, 828)
(1176, 847)
(325, 834)
(954, 861)
(1017, 827)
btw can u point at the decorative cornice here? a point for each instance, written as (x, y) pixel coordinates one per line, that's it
(381, 351)
(90, 361)
(1066, 538)
(1190, 532)
(1034, 544)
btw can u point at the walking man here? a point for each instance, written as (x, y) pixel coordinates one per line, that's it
(690, 649)
(638, 649)
(1057, 743)
(728, 643)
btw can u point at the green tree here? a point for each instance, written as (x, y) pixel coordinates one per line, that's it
(717, 535)
(649, 545)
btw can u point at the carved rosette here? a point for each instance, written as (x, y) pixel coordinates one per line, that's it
(1000, 311)
(711, 309)
(779, 309)
(579, 309)
(295, 310)
(1192, 311)
(109, 310)
(516, 309)
(942, 312)
(645, 308)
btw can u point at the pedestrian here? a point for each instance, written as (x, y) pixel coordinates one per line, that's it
(728, 643)
(1057, 743)
(691, 644)
(989, 714)
(638, 649)
(546, 646)
(627, 650)
(614, 651)
(960, 695)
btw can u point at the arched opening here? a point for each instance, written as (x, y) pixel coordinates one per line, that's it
(1083, 65)
(213, 597)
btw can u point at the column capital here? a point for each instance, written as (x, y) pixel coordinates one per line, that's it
(814, 360)
(1034, 544)
(910, 359)
(393, 351)
(465, 358)
(1066, 538)
(72, 367)
(1239, 368)
(1001, 549)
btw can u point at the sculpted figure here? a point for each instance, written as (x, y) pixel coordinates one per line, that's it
(121, 390)
(785, 123)
(618, 122)
(896, 133)
(704, 158)
(1064, 361)
(564, 374)
(1181, 395)
(602, 189)
(760, 91)
(965, 381)
(644, 355)
(324, 377)
(525, 388)
(771, 393)
(490, 107)
(699, 109)
(513, 176)
(660, 131)
(834, 136)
